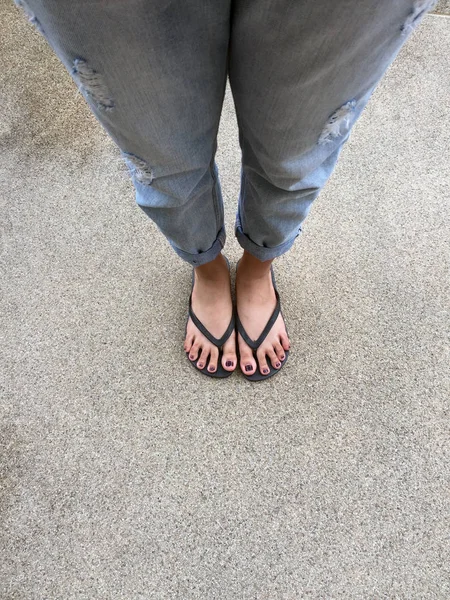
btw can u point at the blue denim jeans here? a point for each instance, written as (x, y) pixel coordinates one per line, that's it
(154, 74)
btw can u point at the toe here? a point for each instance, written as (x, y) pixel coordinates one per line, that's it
(203, 357)
(229, 362)
(279, 350)
(213, 359)
(285, 341)
(248, 363)
(262, 361)
(193, 353)
(188, 342)
(275, 361)
(229, 358)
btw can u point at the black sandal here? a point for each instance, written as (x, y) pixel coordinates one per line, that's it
(255, 344)
(220, 372)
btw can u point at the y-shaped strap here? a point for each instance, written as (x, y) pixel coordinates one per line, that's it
(219, 342)
(256, 344)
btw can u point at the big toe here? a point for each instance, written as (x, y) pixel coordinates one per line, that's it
(247, 361)
(229, 358)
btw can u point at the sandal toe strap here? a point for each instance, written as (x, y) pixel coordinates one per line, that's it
(254, 344)
(219, 342)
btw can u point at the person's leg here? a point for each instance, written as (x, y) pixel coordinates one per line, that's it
(154, 75)
(301, 74)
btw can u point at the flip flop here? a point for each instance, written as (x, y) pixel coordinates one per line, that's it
(255, 344)
(220, 372)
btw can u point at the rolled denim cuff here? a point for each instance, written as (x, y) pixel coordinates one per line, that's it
(262, 253)
(201, 258)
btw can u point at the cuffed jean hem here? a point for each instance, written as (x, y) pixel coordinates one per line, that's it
(262, 253)
(196, 260)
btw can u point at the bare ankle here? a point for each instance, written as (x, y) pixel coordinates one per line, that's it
(213, 270)
(252, 268)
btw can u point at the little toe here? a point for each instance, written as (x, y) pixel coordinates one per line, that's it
(188, 342)
(285, 341)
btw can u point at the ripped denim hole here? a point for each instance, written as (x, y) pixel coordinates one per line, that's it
(420, 8)
(30, 15)
(92, 84)
(139, 169)
(340, 118)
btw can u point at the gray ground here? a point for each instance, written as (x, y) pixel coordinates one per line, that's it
(128, 475)
(442, 7)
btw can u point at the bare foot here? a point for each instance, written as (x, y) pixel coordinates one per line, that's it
(212, 304)
(256, 301)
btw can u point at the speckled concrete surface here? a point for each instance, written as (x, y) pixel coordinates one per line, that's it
(127, 475)
(442, 7)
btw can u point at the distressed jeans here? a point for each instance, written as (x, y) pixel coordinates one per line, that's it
(154, 74)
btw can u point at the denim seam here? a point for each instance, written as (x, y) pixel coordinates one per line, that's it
(202, 257)
(261, 252)
(214, 195)
(242, 200)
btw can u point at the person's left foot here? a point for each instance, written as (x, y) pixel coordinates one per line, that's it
(256, 300)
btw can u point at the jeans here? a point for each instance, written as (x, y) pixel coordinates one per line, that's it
(154, 74)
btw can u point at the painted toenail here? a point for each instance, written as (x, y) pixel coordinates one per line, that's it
(200, 365)
(211, 369)
(265, 370)
(248, 367)
(229, 363)
(191, 357)
(282, 358)
(278, 365)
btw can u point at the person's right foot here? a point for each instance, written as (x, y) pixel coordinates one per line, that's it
(212, 304)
